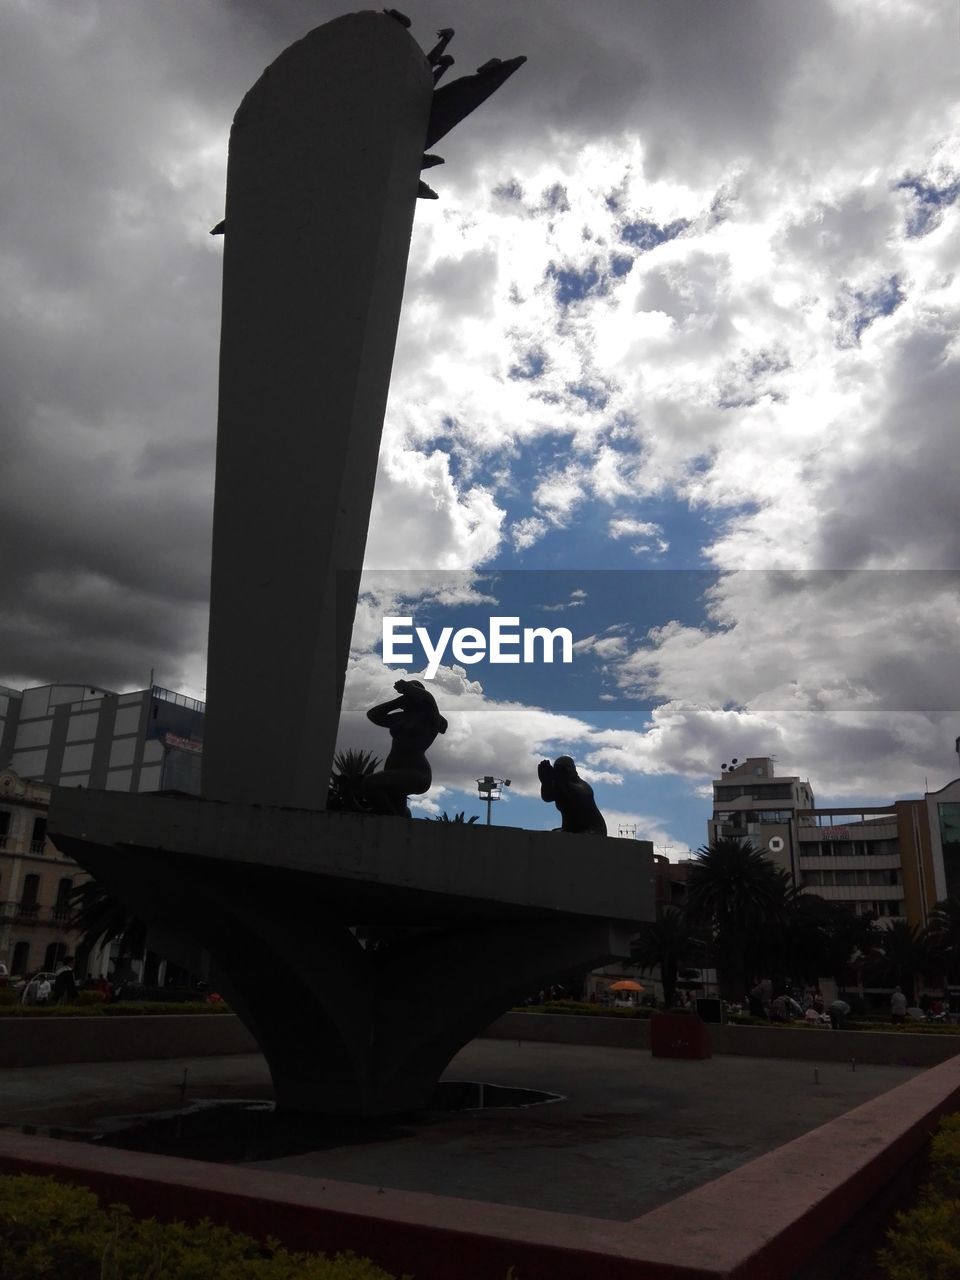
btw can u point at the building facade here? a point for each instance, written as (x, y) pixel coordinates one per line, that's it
(76, 736)
(84, 736)
(35, 881)
(751, 802)
(890, 861)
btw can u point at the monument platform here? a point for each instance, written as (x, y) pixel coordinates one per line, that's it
(361, 951)
(367, 868)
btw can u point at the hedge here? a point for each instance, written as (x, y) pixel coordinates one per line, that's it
(122, 1009)
(925, 1241)
(49, 1229)
(581, 1007)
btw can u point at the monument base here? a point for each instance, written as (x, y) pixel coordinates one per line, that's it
(361, 952)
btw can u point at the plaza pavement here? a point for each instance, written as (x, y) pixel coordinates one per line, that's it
(632, 1132)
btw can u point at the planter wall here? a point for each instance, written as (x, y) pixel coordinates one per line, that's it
(680, 1035)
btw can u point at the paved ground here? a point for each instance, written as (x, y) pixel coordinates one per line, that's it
(632, 1132)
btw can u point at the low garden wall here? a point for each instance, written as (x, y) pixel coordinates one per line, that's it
(46, 1041)
(808, 1044)
(35, 1042)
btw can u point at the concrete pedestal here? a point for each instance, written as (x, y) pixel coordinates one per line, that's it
(472, 920)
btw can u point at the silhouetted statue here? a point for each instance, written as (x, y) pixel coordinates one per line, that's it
(414, 722)
(561, 783)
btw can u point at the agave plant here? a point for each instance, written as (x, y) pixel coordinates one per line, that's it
(457, 817)
(350, 767)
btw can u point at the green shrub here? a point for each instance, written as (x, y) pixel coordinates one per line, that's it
(8, 996)
(924, 1243)
(591, 1010)
(98, 1009)
(48, 1230)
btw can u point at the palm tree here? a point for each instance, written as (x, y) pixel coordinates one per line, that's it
(667, 941)
(943, 935)
(350, 767)
(101, 919)
(903, 953)
(457, 817)
(740, 896)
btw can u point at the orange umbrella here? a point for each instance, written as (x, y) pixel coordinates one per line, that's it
(626, 985)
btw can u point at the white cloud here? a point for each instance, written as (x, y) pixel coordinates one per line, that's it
(743, 366)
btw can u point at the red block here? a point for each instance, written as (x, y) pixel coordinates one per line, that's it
(680, 1035)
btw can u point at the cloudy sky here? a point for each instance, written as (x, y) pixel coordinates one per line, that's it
(677, 369)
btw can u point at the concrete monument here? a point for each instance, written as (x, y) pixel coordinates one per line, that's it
(255, 883)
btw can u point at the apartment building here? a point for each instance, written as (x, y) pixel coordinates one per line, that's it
(752, 802)
(894, 861)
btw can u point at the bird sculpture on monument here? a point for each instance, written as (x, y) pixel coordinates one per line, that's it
(452, 103)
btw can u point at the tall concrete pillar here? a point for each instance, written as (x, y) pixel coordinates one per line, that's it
(324, 162)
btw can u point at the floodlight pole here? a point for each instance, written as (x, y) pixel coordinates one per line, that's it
(490, 789)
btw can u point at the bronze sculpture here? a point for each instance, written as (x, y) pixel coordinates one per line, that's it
(414, 722)
(560, 783)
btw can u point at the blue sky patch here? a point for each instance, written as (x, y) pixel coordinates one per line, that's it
(882, 301)
(645, 236)
(595, 397)
(529, 367)
(930, 199)
(572, 285)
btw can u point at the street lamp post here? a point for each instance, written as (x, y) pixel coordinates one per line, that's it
(491, 789)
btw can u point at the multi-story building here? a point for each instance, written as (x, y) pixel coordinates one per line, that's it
(75, 736)
(751, 802)
(84, 736)
(943, 826)
(888, 860)
(35, 881)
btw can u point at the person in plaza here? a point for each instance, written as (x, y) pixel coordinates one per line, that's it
(898, 1006)
(839, 1011)
(64, 982)
(760, 999)
(30, 989)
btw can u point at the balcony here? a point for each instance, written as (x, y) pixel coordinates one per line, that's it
(25, 912)
(850, 862)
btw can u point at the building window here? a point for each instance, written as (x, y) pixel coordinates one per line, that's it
(62, 909)
(21, 958)
(29, 907)
(39, 836)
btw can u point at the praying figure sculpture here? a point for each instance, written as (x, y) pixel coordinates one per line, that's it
(414, 722)
(560, 783)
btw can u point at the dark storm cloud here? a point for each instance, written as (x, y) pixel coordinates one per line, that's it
(113, 128)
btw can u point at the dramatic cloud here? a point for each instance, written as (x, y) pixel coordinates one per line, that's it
(689, 298)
